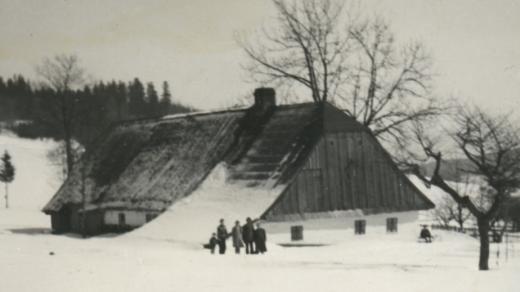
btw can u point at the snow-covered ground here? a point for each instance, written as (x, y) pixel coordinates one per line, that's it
(36, 178)
(31, 259)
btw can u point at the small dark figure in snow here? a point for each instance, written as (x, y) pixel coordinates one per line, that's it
(236, 234)
(260, 238)
(222, 235)
(248, 231)
(213, 242)
(425, 234)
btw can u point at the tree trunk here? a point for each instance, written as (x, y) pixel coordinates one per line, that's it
(461, 221)
(483, 229)
(83, 202)
(68, 154)
(6, 196)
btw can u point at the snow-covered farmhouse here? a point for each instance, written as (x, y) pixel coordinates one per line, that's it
(287, 164)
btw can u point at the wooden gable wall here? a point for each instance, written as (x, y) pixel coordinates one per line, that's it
(348, 169)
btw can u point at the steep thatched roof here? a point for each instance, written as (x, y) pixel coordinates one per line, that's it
(150, 164)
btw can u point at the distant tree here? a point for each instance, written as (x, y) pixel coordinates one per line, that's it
(166, 99)
(136, 98)
(121, 101)
(63, 74)
(16, 99)
(4, 107)
(152, 99)
(465, 187)
(511, 213)
(442, 212)
(7, 173)
(23, 98)
(447, 210)
(491, 144)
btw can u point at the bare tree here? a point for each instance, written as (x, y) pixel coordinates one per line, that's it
(306, 47)
(443, 212)
(389, 86)
(58, 157)
(63, 74)
(340, 58)
(448, 210)
(491, 145)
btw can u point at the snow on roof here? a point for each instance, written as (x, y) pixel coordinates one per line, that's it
(150, 164)
(198, 113)
(194, 218)
(470, 188)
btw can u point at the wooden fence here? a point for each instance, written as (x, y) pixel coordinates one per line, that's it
(506, 241)
(495, 233)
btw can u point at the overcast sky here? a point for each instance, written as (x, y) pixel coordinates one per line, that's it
(190, 43)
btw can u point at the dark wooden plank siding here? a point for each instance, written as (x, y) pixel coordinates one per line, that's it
(348, 170)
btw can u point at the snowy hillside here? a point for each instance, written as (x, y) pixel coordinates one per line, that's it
(36, 178)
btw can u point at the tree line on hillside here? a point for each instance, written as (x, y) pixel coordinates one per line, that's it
(32, 107)
(65, 107)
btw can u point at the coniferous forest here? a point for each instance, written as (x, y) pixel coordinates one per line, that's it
(35, 111)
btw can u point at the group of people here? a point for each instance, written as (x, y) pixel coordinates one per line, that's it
(251, 235)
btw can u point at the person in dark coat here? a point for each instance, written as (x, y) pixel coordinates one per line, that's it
(260, 238)
(213, 241)
(222, 235)
(248, 231)
(236, 234)
(425, 234)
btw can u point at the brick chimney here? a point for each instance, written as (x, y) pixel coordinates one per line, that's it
(265, 98)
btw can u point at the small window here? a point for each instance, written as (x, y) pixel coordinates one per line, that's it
(297, 232)
(391, 224)
(360, 226)
(122, 219)
(149, 217)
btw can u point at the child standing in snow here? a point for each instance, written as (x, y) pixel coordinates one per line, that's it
(236, 233)
(213, 241)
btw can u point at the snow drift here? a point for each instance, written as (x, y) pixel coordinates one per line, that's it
(194, 218)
